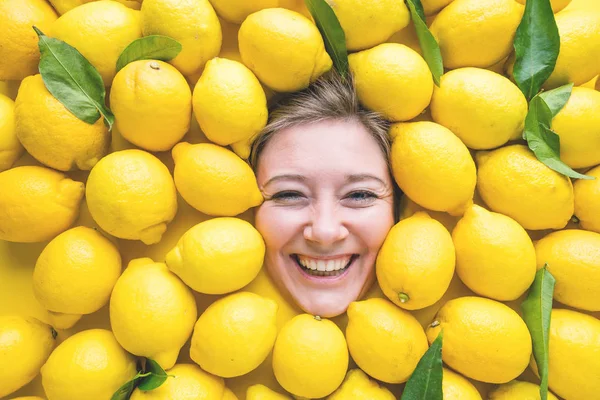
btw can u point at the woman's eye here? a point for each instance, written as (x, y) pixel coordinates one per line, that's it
(362, 195)
(286, 195)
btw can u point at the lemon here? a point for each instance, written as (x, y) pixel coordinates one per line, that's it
(483, 108)
(431, 7)
(369, 23)
(214, 180)
(573, 362)
(475, 33)
(261, 392)
(62, 6)
(152, 103)
(131, 195)
(186, 382)
(385, 341)
(75, 274)
(578, 125)
(230, 104)
(577, 62)
(28, 398)
(587, 200)
(87, 365)
(513, 182)
(518, 390)
(393, 80)
(494, 255)
(218, 256)
(235, 334)
(457, 387)
(573, 258)
(37, 203)
(19, 51)
(416, 262)
(283, 48)
(26, 344)
(100, 30)
(557, 5)
(358, 386)
(52, 134)
(432, 166)
(193, 23)
(152, 313)
(10, 147)
(484, 339)
(228, 395)
(310, 356)
(236, 11)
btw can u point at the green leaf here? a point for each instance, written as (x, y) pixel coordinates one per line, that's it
(426, 381)
(537, 309)
(153, 47)
(157, 376)
(536, 44)
(429, 46)
(124, 392)
(72, 80)
(332, 32)
(544, 143)
(557, 98)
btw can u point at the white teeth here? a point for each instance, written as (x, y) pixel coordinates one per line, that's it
(323, 265)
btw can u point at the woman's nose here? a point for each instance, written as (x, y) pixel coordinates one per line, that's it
(326, 227)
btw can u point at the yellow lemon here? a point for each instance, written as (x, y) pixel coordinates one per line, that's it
(28, 398)
(573, 258)
(214, 180)
(283, 48)
(76, 272)
(236, 11)
(432, 166)
(37, 203)
(385, 341)
(62, 6)
(229, 395)
(100, 30)
(513, 182)
(26, 344)
(494, 255)
(518, 390)
(193, 23)
(152, 103)
(52, 134)
(358, 386)
(578, 125)
(573, 361)
(475, 33)
(131, 195)
(483, 108)
(577, 62)
(587, 201)
(557, 5)
(218, 256)
(393, 80)
(434, 6)
(310, 356)
(10, 147)
(152, 313)
(19, 51)
(369, 23)
(235, 334)
(261, 392)
(230, 104)
(416, 262)
(185, 382)
(457, 387)
(88, 365)
(484, 339)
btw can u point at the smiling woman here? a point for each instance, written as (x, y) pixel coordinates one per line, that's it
(322, 164)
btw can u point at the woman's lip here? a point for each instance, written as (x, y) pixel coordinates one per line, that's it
(324, 280)
(339, 256)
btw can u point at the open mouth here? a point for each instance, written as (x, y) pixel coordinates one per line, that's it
(329, 268)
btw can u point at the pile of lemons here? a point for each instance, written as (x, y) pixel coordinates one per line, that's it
(164, 194)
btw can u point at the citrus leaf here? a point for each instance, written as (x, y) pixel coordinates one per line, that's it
(124, 392)
(536, 44)
(429, 46)
(153, 47)
(72, 80)
(157, 376)
(332, 32)
(557, 98)
(537, 309)
(426, 381)
(545, 143)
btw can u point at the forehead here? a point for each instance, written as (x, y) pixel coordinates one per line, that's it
(325, 147)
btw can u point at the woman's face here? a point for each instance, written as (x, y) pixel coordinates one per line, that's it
(328, 208)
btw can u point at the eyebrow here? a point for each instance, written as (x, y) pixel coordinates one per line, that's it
(349, 178)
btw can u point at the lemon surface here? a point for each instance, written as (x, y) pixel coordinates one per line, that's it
(587, 201)
(10, 147)
(457, 387)
(261, 392)
(357, 385)
(518, 390)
